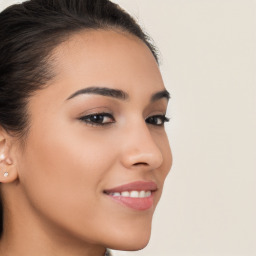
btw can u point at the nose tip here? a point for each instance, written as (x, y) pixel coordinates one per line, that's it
(141, 150)
(143, 158)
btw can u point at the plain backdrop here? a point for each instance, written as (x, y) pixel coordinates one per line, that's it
(208, 61)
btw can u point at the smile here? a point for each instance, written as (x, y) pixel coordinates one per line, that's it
(138, 195)
(133, 194)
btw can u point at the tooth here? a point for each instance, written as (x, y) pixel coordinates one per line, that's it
(148, 193)
(125, 194)
(142, 194)
(134, 194)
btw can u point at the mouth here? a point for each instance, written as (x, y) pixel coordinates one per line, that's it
(137, 195)
(131, 194)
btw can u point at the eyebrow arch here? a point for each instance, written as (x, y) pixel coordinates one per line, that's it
(160, 95)
(116, 93)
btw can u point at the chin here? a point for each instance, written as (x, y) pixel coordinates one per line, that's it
(130, 246)
(131, 241)
(136, 246)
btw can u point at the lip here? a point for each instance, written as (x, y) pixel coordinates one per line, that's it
(137, 185)
(140, 204)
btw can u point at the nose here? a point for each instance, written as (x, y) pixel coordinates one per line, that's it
(140, 149)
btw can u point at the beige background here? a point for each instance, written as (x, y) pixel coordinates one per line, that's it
(208, 64)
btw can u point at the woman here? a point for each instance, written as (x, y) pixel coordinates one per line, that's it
(83, 150)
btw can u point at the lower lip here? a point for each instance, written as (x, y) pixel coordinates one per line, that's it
(140, 204)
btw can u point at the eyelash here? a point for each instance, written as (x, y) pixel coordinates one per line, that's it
(97, 119)
(88, 119)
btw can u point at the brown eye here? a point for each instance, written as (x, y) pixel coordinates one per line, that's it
(157, 120)
(98, 119)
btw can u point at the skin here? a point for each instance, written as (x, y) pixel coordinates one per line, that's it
(53, 197)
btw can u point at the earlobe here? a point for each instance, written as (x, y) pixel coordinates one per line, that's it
(8, 172)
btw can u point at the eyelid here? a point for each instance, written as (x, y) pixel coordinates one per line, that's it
(86, 119)
(96, 110)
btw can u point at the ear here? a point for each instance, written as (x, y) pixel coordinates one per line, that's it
(8, 170)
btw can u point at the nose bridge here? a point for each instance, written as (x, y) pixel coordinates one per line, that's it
(140, 148)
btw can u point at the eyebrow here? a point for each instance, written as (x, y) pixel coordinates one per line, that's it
(116, 93)
(160, 95)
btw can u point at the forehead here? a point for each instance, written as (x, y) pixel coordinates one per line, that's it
(109, 58)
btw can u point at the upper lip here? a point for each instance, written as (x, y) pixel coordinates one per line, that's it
(137, 186)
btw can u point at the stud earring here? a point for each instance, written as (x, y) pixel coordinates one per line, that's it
(6, 174)
(2, 157)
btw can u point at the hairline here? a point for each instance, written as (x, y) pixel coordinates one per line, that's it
(51, 60)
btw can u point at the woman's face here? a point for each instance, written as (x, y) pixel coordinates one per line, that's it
(97, 133)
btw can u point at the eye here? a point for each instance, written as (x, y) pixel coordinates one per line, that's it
(98, 119)
(157, 120)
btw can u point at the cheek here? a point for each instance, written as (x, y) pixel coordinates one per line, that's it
(61, 171)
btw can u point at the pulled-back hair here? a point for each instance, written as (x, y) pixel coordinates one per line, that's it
(29, 32)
